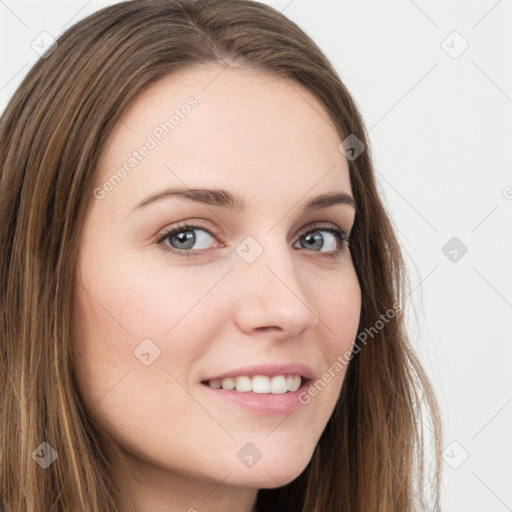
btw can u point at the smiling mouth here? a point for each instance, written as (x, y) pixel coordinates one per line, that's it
(262, 384)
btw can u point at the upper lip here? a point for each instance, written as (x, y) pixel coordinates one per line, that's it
(270, 370)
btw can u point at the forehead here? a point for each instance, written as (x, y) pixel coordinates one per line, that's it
(246, 128)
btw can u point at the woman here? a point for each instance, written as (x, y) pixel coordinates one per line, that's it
(201, 290)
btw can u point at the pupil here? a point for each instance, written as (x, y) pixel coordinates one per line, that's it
(316, 238)
(187, 238)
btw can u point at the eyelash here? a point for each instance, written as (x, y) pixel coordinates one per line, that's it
(343, 240)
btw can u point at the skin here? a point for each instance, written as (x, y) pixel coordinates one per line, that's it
(271, 142)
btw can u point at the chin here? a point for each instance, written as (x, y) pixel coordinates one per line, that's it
(276, 471)
(263, 480)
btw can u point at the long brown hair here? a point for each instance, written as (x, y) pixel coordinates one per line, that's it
(370, 456)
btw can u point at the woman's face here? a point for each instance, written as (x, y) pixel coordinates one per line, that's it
(252, 287)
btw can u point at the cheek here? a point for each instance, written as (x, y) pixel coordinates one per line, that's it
(126, 368)
(125, 297)
(119, 308)
(338, 305)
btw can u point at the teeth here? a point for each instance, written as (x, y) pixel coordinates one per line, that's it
(260, 384)
(216, 383)
(228, 384)
(243, 384)
(277, 385)
(293, 383)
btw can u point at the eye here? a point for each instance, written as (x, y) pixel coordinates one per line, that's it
(185, 239)
(330, 239)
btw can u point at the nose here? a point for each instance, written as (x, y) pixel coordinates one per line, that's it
(271, 296)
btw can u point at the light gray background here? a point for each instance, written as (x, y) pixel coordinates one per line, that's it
(440, 125)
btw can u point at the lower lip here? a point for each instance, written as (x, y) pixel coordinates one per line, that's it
(262, 403)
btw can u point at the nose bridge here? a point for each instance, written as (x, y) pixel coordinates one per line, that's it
(271, 293)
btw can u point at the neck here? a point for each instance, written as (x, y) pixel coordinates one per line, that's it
(154, 489)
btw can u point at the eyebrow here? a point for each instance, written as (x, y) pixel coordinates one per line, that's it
(223, 198)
